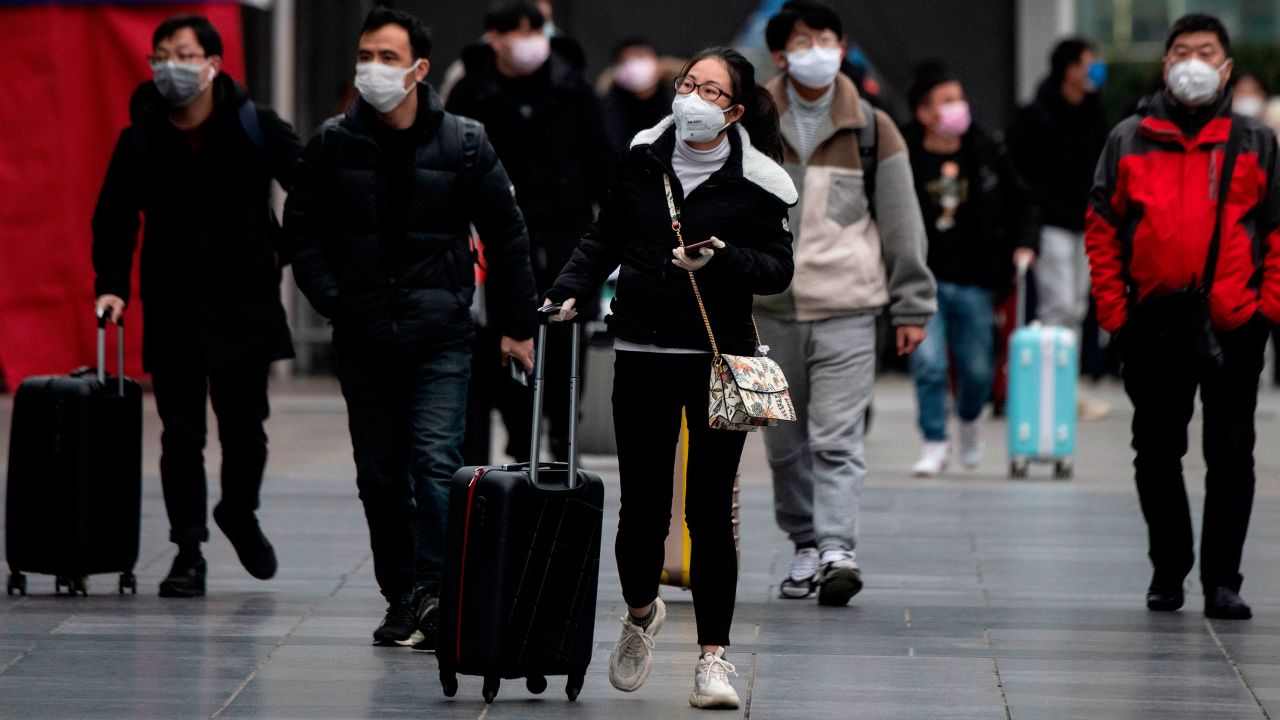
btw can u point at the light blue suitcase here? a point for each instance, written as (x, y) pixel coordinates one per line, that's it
(1041, 405)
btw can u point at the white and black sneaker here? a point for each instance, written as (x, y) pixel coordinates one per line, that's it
(400, 626)
(428, 615)
(802, 575)
(632, 656)
(711, 688)
(839, 579)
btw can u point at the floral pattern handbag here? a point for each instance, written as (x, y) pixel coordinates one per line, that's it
(745, 392)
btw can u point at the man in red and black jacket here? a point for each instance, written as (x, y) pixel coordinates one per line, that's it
(1151, 221)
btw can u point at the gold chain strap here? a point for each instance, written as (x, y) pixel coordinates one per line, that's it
(706, 321)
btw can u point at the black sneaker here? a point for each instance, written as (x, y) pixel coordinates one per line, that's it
(186, 577)
(428, 621)
(400, 625)
(255, 551)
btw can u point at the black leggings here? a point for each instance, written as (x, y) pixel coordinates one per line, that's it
(649, 391)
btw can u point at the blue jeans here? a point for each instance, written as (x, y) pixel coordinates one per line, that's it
(962, 330)
(407, 418)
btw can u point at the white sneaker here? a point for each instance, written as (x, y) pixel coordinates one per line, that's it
(971, 445)
(711, 688)
(1090, 408)
(933, 459)
(802, 575)
(632, 657)
(840, 578)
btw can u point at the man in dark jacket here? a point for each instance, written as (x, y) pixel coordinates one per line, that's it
(197, 163)
(378, 220)
(974, 214)
(1184, 316)
(545, 123)
(1055, 142)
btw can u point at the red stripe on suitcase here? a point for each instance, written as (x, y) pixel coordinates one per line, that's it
(462, 566)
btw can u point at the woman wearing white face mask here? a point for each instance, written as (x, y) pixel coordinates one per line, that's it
(702, 174)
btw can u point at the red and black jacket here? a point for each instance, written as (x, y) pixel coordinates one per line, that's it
(1153, 205)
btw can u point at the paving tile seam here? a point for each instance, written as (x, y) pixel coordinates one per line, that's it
(30, 649)
(1226, 654)
(311, 611)
(751, 687)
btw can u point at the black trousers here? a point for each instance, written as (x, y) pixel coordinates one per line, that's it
(1161, 376)
(649, 392)
(239, 398)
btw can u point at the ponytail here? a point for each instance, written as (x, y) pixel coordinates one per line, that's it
(760, 112)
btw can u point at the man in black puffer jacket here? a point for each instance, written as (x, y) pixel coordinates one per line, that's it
(197, 164)
(378, 219)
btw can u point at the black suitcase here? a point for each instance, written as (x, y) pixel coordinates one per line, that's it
(522, 560)
(75, 477)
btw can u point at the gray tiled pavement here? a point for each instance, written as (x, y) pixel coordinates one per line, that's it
(985, 599)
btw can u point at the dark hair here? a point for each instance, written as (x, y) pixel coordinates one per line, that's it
(206, 34)
(505, 16)
(1065, 54)
(1198, 22)
(926, 76)
(419, 39)
(760, 113)
(816, 15)
(632, 42)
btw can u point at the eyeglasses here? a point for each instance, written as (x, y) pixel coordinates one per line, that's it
(710, 93)
(186, 58)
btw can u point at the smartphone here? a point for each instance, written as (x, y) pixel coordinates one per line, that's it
(695, 249)
(517, 371)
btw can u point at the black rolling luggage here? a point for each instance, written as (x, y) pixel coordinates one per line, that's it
(521, 564)
(75, 477)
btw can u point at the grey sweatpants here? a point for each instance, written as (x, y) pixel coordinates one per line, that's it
(818, 462)
(1062, 279)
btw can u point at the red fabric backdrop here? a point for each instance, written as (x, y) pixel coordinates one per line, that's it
(69, 71)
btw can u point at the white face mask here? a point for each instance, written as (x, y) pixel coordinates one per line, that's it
(382, 86)
(1249, 106)
(529, 53)
(816, 67)
(696, 119)
(1194, 82)
(637, 74)
(179, 83)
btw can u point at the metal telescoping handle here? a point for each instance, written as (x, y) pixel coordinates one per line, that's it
(102, 350)
(1021, 282)
(539, 387)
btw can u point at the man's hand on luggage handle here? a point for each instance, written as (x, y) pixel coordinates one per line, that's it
(1023, 257)
(114, 304)
(521, 350)
(909, 338)
(567, 311)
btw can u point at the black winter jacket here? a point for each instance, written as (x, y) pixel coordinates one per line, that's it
(548, 131)
(744, 204)
(1055, 147)
(209, 284)
(1005, 216)
(411, 291)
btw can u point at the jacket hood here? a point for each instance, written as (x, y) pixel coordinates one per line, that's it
(846, 105)
(1163, 117)
(757, 168)
(147, 104)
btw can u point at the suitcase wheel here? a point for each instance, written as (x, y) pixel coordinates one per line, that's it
(574, 686)
(449, 681)
(537, 684)
(1018, 469)
(491, 689)
(128, 581)
(17, 583)
(1062, 470)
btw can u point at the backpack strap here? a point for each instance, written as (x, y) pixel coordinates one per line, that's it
(470, 131)
(869, 152)
(252, 127)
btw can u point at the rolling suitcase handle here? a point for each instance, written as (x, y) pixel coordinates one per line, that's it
(545, 314)
(1021, 313)
(102, 350)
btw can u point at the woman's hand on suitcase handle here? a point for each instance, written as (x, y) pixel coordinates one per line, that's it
(909, 338)
(1023, 258)
(113, 305)
(521, 350)
(567, 310)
